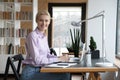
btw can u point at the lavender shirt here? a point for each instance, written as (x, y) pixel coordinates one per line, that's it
(38, 52)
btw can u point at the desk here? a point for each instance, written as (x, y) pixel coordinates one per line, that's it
(81, 67)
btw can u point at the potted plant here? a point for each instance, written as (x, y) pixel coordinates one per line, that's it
(93, 46)
(69, 47)
(75, 34)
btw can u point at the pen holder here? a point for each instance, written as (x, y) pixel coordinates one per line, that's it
(88, 59)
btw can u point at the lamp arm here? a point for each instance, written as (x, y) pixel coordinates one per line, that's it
(96, 16)
(100, 14)
(77, 24)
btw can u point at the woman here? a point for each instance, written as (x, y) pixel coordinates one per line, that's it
(38, 53)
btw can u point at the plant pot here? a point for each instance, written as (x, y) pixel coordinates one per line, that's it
(76, 53)
(95, 54)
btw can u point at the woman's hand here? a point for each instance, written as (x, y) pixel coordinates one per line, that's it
(64, 58)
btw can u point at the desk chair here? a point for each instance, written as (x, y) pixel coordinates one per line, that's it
(10, 62)
(52, 51)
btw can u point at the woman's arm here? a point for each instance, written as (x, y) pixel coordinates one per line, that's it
(38, 57)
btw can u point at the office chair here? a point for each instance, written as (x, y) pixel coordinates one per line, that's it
(10, 62)
(52, 51)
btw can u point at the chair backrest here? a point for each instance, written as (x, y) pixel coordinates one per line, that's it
(52, 51)
(10, 62)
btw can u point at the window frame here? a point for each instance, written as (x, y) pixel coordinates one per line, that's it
(83, 25)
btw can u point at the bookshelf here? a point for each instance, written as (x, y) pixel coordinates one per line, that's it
(16, 21)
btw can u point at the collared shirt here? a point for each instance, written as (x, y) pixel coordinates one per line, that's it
(38, 52)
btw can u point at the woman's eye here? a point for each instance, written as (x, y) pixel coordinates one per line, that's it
(46, 20)
(40, 20)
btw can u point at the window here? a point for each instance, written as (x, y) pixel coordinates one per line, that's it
(62, 17)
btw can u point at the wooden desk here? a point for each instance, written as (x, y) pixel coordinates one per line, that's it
(80, 69)
(83, 68)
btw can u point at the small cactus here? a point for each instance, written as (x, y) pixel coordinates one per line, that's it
(92, 45)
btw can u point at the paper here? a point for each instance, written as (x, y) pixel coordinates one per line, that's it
(61, 65)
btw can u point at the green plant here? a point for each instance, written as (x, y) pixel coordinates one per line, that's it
(69, 47)
(92, 45)
(76, 40)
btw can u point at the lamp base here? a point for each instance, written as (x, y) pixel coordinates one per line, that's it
(103, 64)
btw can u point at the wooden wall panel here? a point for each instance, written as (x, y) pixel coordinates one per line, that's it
(67, 1)
(26, 25)
(43, 4)
(26, 8)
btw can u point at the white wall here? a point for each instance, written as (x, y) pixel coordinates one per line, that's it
(94, 27)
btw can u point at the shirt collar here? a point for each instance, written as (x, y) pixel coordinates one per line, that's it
(40, 34)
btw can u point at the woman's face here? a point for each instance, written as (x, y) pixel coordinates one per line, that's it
(43, 22)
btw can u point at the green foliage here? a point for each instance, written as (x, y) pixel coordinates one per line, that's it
(92, 45)
(76, 40)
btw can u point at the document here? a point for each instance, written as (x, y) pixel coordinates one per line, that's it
(61, 65)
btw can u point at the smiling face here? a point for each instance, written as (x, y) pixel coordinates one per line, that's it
(43, 21)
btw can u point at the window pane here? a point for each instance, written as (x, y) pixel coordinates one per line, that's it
(62, 18)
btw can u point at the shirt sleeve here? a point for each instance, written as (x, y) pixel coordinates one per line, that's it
(38, 57)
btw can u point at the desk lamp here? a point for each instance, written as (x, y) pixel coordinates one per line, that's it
(100, 14)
